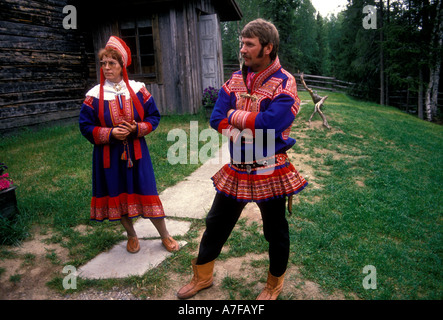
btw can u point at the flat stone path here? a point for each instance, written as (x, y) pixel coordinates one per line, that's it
(190, 198)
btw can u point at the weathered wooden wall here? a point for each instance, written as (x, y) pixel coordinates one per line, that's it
(178, 86)
(180, 90)
(45, 70)
(43, 67)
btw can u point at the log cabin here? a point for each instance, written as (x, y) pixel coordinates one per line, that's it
(48, 55)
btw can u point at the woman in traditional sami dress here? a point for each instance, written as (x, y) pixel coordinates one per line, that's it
(115, 117)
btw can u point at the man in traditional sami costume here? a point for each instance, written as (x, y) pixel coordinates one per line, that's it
(260, 100)
(115, 117)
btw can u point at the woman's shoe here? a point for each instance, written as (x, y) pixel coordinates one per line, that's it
(170, 244)
(133, 245)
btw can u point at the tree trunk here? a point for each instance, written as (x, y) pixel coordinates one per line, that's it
(420, 93)
(386, 59)
(434, 74)
(382, 71)
(432, 93)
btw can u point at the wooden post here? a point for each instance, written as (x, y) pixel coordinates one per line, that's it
(318, 102)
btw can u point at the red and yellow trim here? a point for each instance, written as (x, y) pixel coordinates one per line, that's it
(243, 119)
(102, 135)
(280, 182)
(133, 205)
(143, 128)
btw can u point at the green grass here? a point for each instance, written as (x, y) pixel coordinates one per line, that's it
(374, 199)
(380, 201)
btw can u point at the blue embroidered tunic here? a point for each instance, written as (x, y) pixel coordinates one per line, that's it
(267, 103)
(123, 181)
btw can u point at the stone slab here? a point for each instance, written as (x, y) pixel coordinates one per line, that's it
(192, 197)
(145, 229)
(119, 263)
(188, 199)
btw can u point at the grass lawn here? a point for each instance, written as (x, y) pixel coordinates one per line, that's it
(374, 199)
(380, 202)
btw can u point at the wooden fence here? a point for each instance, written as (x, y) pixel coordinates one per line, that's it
(406, 100)
(313, 81)
(324, 83)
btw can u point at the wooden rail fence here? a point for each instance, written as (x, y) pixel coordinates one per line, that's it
(406, 100)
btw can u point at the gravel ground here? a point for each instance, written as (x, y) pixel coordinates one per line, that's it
(114, 294)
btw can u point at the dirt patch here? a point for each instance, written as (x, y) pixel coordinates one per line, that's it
(301, 163)
(36, 262)
(252, 214)
(253, 278)
(360, 183)
(34, 274)
(238, 268)
(33, 264)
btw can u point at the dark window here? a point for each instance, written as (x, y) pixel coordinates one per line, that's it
(137, 33)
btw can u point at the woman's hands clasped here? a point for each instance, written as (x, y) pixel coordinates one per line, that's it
(124, 130)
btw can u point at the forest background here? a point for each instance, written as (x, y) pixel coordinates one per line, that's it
(400, 57)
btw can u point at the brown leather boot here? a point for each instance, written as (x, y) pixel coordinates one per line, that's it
(202, 279)
(273, 287)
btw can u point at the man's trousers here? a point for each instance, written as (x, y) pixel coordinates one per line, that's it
(223, 216)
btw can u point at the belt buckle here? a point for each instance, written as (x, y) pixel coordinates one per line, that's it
(248, 168)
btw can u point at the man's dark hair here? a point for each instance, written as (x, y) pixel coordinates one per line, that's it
(266, 33)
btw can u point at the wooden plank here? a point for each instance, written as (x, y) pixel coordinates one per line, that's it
(209, 51)
(35, 4)
(341, 87)
(29, 43)
(171, 75)
(307, 76)
(35, 84)
(45, 69)
(33, 72)
(11, 99)
(41, 32)
(38, 119)
(48, 58)
(181, 50)
(157, 49)
(36, 108)
(195, 69)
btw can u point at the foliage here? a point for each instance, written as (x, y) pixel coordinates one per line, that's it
(406, 40)
(210, 95)
(355, 51)
(5, 180)
(284, 13)
(231, 30)
(3, 167)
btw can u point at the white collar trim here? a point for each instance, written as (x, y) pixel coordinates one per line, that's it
(110, 89)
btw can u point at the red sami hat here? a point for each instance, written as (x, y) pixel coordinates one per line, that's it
(119, 45)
